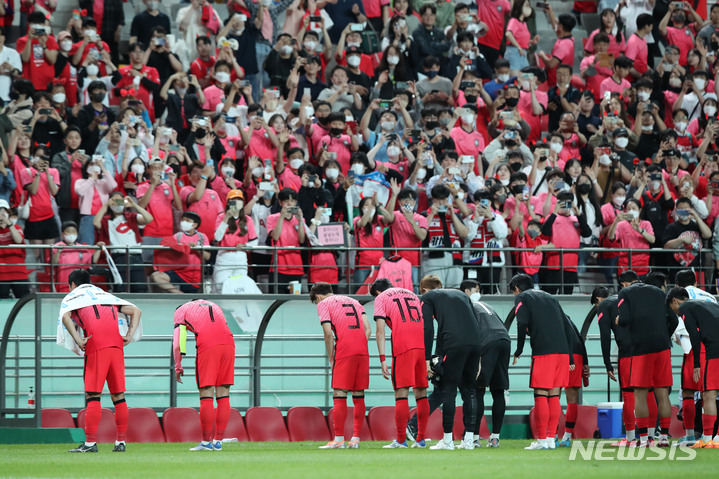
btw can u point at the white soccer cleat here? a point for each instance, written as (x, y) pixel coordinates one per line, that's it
(536, 446)
(441, 445)
(202, 447)
(467, 444)
(334, 445)
(396, 445)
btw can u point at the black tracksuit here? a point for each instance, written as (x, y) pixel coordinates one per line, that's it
(607, 312)
(649, 322)
(540, 316)
(701, 318)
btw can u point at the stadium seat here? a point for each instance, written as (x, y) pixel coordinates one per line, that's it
(53, 417)
(236, 427)
(266, 424)
(144, 426)
(676, 427)
(381, 423)
(586, 423)
(106, 432)
(181, 424)
(366, 432)
(533, 423)
(305, 423)
(434, 425)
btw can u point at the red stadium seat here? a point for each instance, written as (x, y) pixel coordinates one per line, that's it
(349, 422)
(306, 423)
(266, 424)
(106, 432)
(434, 425)
(181, 424)
(533, 424)
(676, 427)
(382, 424)
(144, 426)
(236, 427)
(53, 417)
(586, 423)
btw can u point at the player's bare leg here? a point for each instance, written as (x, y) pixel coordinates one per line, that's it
(541, 414)
(93, 414)
(665, 415)
(572, 396)
(641, 412)
(688, 415)
(708, 419)
(222, 415)
(339, 397)
(122, 417)
(207, 418)
(359, 418)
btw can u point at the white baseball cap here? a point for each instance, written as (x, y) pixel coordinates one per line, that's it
(4, 204)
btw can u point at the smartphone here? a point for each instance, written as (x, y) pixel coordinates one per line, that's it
(466, 159)
(604, 150)
(122, 127)
(327, 211)
(164, 176)
(231, 120)
(560, 185)
(159, 41)
(401, 85)
(307, 92)
(454, 171)
(333, 155)
(293, 210)
(525, 193)
(506, 115)
(655, 176)
(39, 32)
(527, 76)
(315, 18)
(134, 102)
(312, 179)
(469, 62)
(98, 159)
(81, 152)
(467, 18)
(678, 5)
(244, 83)
(173, 148)
(385, 104)
(241, 16)
(356, 27)
(351, 174)
(275, 92)
(607, 95)
(353, 125)
(484, 203)
(45, 111)
(466, 84)
(266, 186)
(210, 162)
(268, 163)
(542, 5)
(567, 205)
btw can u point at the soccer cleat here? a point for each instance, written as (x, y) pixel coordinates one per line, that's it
(411, 432)
(535, 446)
(202, 447)
(419, 444)
(662, 443)
(469, 445)
(217, 445)
(396, 445)
(353, 444)
(443, 446)
(702, 445)
(334, 445)
(687, 441)
(493, 442)
(119, 448)
(83, 448)
(625, 443)
(565, 443)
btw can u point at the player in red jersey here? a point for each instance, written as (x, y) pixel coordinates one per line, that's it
(400, 309)
(104, 360)
(214, 366)
(347, 331)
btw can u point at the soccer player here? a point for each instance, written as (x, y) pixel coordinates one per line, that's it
(459, 344)
(346, 331)
(104, 360)
(701, 319)
(541, 316)
(607, 312)
(214, 366)
(579, 375)
(399, 309)
(650, 324)
(687, 279)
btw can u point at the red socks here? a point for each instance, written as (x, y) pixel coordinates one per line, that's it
(222, 415)
(628, 410)
(207, 418)
(401, 415)
(93, 414)
(571, 418)
(122, 417)
(708, 423)
(360, 410)
(555, 411)
(688, 413)
(642, 426)
(664, 423)
(340, 415)
(422, 417)
(541, 414)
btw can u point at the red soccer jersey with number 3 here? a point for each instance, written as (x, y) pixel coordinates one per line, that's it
(345, 316)
(402, 312)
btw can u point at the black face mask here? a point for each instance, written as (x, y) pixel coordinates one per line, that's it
(515, 167)
(584, 188)
(511, 102)
(336, 131)
(501, 199)
(715, 46)
(323, 120)
(510, 143)
(200, 133)
(431, 125)
(176, 168)
(98, 97)
(472, 99)
(518, 189)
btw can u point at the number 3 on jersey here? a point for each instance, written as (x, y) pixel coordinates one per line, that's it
(416, 317)
(352, 313)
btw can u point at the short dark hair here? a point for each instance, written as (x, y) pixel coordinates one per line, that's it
(684, 278)
(677, 292)
(203, 39)
(191, 215)
(683, 200)
(286, 194)
(468, 284)
(68, 224)
(336, 116)
(440, 192)
(567, 21)
(71, 129)
(599, 292)
(36, 17)
(656, 278)
(600, 37)
(406, 193)
(623, 62)
(430, 61)
(501, 63)
(134, 46)
(647, 19)
(320, 288)
(79, 276)
(427, 6)
(628, 276)
(382, 284)
(522, 282)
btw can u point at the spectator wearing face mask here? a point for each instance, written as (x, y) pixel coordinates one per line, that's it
(632, 232)
(656, 199)
(38, 51)
(433, 81)
(369, 233)
(41, 183)
(486, 232)
(595, 68)
(287, 229)
(183, 103)
(225, 181)
(94, 117)
(13, 272)
(615, 206)
(351, 42)
(532, 102)
(682, 32)
(199, 198)
(93, 191)
(145, 80)
(339, 141)
(467, 140)
(685, 234)
(531, 239)
(70, 259)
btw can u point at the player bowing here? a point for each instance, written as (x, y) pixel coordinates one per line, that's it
(346, 331)
(215, 365)
(399, 309)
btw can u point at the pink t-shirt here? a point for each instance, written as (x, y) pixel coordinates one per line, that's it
(520, 32)
(628, 237)
(70, 260)
(615, 48)
(342, 146)
(233, 239)
(289, 179)
(289, 262)
(608, 84)
(565, 234)
(160, 207)
(594, 82)
(682, 38)
(468, 143)
(525, 109)
(261, 146)
(533, 200)
(41, 204)
(208, 207)
(638, 51)
(214, 95)
(493, 13)
(345, 316)
(231, 144)
(563, 51)
(402, 236)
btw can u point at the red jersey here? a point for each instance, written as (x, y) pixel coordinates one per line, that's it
(402, 311)
(201, 68)
(143, 94)
(207, 321)
(345, 316)
(435, 234)
(38, 70)
(100, 322)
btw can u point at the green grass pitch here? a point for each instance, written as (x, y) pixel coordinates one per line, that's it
(304, 460)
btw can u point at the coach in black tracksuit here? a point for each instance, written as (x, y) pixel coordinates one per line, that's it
(459, 340)
(644, 314)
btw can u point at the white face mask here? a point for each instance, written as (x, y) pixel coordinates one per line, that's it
(354, 61)
(468, 119)
(421, 174)
(222, 77)
(58, 98)
(117, 208)
(310, 45)
(296, 163)
(258, 171)
(526, 11)
(643, 95)
(332, 173)
(138, 169)
(634, 214)
(648, 128)
(461, 195)
(372, 211)
(525, 85)
(89, 33)
(681, 125)
(605, 160)
(700, 83)
(69, 238)
(503, 77)
(66, 45)
(358, 168)
(387, 125)
(476, 296)
(675, 82)
(393, 60)
(92, 70)
(621, 142)
(153, 5)
(228, 171)
(93, 169)
(655, 185)
(556, 147)
(186, 226)
(393, 151)
(710, 110)
(353, 44)
(619, 200)
(504, 182)
(286, 50)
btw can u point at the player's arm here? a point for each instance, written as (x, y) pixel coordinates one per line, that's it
(367, 328)
(623, 310)
(179, 349)
(569, 333)
(692, 329)
(605, 337)
(521, 313)
(428, 316)
(672, 321)
(379, 336)
(329, 341)
(70, 326)
(134, 314)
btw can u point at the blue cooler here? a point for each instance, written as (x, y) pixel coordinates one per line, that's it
(609, 419)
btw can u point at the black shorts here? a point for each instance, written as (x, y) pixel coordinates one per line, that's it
(495, 366)
(181, 284)
(460, 366)
(42, 230)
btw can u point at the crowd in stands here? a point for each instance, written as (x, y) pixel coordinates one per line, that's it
(440, 125)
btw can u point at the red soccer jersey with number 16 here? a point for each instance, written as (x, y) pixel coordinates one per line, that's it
(345, 316)
(402, 311)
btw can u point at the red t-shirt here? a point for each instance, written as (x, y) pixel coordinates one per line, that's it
(493, 13)
(374, 240)
(160, 207)
(525, 109)
(100, 322)
(143, 94)
(402, 311)
(41, 207)
(201, 68)
(342, 146)
(402, 236)
(345, 316)
(12, 260)
(682, 38)
(594, 82)
(91, 47)
(37, 70)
